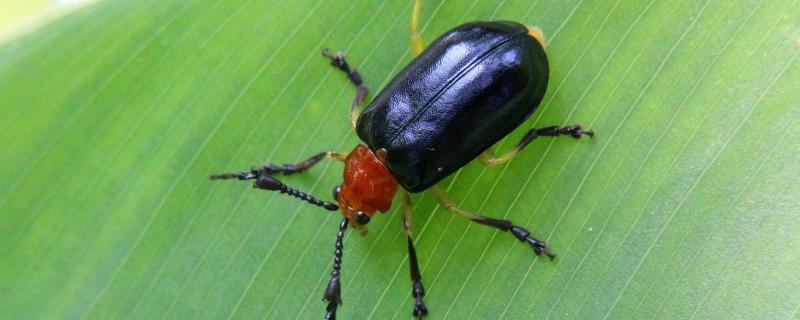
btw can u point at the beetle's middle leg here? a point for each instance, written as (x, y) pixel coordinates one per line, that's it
(417, 44)
(339, 62)
(417, 291)
(575, 131)
(539, 246)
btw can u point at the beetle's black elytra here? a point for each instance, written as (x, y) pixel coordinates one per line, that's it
(467, 90)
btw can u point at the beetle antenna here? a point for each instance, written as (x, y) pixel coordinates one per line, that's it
(268, 182)
(333, 293)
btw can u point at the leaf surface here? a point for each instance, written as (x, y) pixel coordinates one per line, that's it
(684, 205)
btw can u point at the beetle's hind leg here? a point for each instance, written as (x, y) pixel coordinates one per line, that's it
(340, 63)
(417, 290)
(537, 34)
(417, 44)
(575, 131)
(539, 246)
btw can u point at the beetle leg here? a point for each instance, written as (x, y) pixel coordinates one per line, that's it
(417, 44)
(333, 292)
(291, 168)
(537, 34)
(575, 131)
(540, 247)
(339, 62)
(417, 290)
(265, 181)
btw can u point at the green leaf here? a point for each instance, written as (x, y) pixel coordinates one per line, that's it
(685, 205)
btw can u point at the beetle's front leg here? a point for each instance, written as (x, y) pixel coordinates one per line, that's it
(340, 63)
(265, 181)
(575, 131)
(417, 290)
(539, 246)
(291, 168)
(417, 44)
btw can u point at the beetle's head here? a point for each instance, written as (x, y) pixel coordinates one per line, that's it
(368, 185)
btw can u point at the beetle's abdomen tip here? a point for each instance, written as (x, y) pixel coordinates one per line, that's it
(537, 34)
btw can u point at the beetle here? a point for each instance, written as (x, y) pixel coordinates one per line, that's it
(467, 90)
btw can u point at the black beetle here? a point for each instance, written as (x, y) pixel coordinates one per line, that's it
(470, 88)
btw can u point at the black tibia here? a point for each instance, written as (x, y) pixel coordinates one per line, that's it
(290, 168)
(339, 62)
(574, 131)
(417, 291)
(333, 292)
(521, 233)
(267, 182)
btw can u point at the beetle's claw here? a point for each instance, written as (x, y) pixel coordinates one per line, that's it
(540, 247)
(330, 313)
(420, 310)
(337, 60)
(576, 131)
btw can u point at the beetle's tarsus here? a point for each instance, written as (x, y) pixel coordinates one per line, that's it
(418, 292)
(540, 247)
(576, 131)
(327, 53)
(234, 175)
(337, 60)
(265, 181)
(420, 310)
(330, 313)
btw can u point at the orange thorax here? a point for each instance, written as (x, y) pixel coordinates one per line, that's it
(368, 185)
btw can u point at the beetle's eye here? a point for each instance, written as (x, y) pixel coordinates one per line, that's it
(336, 191)
(362, 218)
